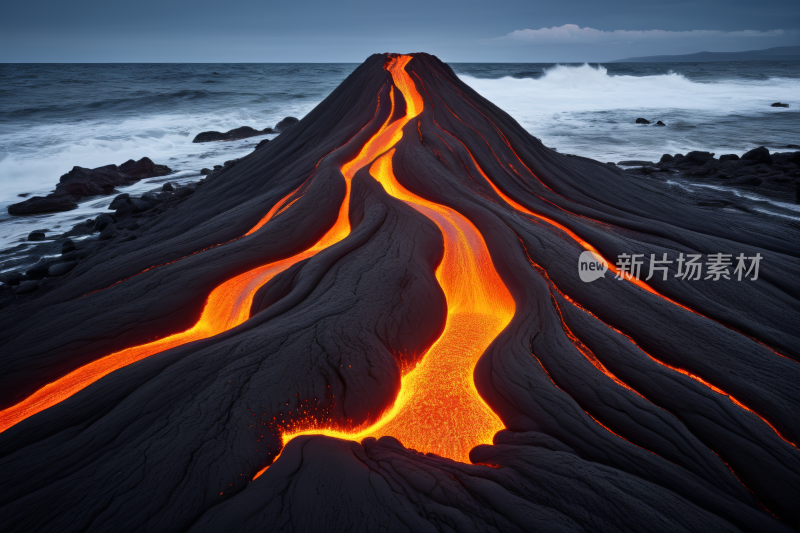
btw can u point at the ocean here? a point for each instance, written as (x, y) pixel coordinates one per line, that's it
(56, 116)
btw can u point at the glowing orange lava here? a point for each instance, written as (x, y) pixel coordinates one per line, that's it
(227, 306)
(439, 409)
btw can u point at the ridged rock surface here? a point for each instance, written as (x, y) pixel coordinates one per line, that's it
(673, 409)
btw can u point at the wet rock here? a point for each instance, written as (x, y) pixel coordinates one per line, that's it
(262, 144)
(143, 169)
(27, 287)
(140, 205)
(650, 169)
(642, 121)
(182, 193)
(757, 156)
(635, 163)
(729, 157)
(168, 187)
(786, 159)
(695, 158)
(659, 123)
(67, 246)
(124, 198)
(24, 194)
(40, 204)
(154, 198)
(12, 278)
(206, 171)
(107, 233)
(778, 104)
(36, 236)
(666, 158)
(103, 220)
(793, 146)
(39, 270)
(133, 227)
(233, 135)
(90, 182)
(285, 124)
(59, 269)
(80, 182)
(711, 166)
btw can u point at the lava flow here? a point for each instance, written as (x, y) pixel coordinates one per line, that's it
(438, 409)
(227, 306)
(174, 446)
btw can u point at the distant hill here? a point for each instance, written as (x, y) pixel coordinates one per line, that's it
(779, 53)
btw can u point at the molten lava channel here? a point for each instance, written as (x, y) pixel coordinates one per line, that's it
(438, 408)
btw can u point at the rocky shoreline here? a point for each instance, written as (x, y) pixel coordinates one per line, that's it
(772, 175)
(82, 182)
(132, 217)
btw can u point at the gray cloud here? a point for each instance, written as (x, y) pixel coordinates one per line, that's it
(574, 34)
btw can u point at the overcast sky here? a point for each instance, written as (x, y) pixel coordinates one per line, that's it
(350, 30)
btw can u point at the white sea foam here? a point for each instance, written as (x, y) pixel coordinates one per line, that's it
(586, 111)
(587, 88)
(42, 153)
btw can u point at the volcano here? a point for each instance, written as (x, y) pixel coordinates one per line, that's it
(376, 322)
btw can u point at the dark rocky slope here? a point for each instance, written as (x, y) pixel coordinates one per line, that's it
(171, 443)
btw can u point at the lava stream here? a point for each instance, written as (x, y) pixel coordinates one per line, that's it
(227, 306)
(439, 409)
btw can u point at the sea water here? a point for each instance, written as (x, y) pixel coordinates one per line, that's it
(56, 116)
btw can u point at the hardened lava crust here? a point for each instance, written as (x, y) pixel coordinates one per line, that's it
(376, 323)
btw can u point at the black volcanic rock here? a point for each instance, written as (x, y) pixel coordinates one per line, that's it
(89, 182)
(695, 158)
(103, 220)
(36, 236)
(40, 204)
(285, 124)
(59, 269)
(11, 278)
(236, 134)
(758, 156)
(102, 180)
(635, 163)
(642, 121)
(80, 182)
(778, 104)
(27, 287)
(729, 157)
(143, 169)
(659, 123)
(622, 407)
